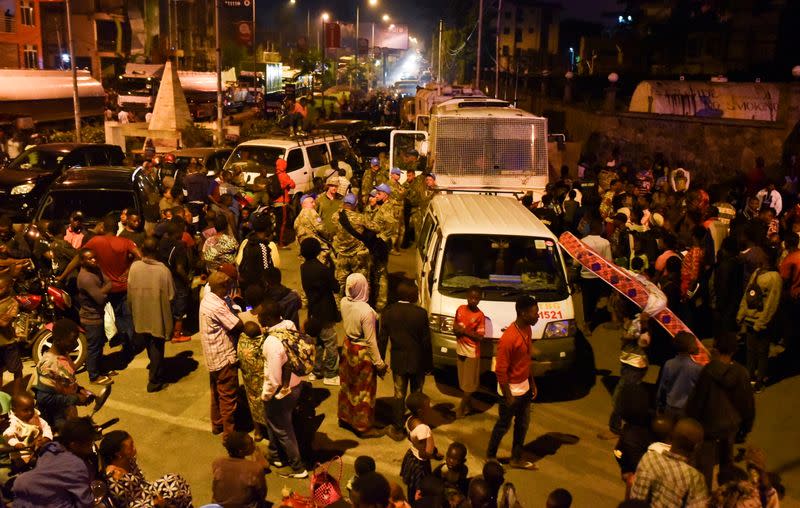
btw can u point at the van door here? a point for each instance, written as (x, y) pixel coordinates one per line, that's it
(297, 169)
(425, 248)
(318, 161)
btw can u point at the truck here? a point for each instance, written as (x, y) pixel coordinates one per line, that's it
(416, 110)
(45, 96)
(137, 88)
(479, 144)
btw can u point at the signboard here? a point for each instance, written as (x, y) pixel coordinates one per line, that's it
(737, 101)
(363, 46)
(244, 33)
(392, 37)
(333, 35)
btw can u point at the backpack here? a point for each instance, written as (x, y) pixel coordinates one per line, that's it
(754, 295)
(274, 187)
(300, 350)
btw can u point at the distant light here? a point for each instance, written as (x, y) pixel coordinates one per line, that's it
(796, 71)
(571, 49)
(377, 62)
(325, 17)
(391, 27)
(65, 58)
(373, 2)
(386, 17)
(621, 19)
(613, 77)
(630, 18)
(292, 2)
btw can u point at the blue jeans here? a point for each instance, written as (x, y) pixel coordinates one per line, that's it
(96, 340)
(327, 360)
(123, 318)
(520, 412)
(280, 428)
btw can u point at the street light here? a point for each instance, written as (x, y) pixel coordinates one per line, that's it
(386, 18)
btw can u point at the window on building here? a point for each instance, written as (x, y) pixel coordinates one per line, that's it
(518, 35)
(26, 13)
(505, 50)
(506, 30)
(31, 56)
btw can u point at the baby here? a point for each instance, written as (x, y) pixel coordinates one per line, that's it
(26, 428)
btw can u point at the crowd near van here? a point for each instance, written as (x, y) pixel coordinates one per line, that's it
(495, 243)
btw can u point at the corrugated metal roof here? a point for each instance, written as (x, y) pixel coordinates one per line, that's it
(485, 214)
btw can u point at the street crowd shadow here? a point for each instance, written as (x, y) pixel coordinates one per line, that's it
(175, 368)
(325, 448)
(384, 411)
(783, 366)
(548, 444)
(442, 414)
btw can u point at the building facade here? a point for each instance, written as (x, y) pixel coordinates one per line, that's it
(20, 34)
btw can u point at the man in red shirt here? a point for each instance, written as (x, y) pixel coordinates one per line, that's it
(469, 327)
(517, 386)
(114, 254)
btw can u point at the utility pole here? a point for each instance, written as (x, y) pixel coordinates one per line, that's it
(497, 50)
(439, 59)
(358, 20)
(308, 27)
(76, 101)
(219, 72)
(480, 42)
(253, 35)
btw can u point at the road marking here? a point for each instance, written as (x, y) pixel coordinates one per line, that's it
(180, 421)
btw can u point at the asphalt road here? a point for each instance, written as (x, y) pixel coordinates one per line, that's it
(172, 429)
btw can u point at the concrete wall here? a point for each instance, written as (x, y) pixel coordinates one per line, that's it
(713, 148)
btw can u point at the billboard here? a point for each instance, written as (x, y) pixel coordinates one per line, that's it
(392, 36)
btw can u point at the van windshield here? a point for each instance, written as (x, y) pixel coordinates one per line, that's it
(252, 159)
(504, 266)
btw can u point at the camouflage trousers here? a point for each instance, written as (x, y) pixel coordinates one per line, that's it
(379, 285)
(397, 239)
(417, 214)
(346, 264)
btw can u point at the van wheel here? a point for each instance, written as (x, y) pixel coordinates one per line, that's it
(43, 342)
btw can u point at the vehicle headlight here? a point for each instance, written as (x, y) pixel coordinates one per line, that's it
(22, 189)
(442, 324)
(559, 329)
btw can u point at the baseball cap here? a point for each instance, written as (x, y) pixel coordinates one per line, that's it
(374, 161)
(383, 188)
(350, 199)
(307, 196)
(396, 171)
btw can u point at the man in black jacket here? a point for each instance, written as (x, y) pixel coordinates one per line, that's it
(320, 286)
(256, 254)
(288, 299)
(723, 403)
(406, 326)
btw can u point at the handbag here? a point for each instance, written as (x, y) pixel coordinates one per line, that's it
(325, 489)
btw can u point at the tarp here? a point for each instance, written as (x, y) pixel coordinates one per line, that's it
(23, 85)
(739, 101)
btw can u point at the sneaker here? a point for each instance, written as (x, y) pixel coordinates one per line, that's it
(331, 381)
(112, 373)
(298, 475)
(523, 464)
(102, 380)
(181, 338)
(276, 464)
(156, 387)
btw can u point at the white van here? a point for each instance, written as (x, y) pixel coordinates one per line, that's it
(306, 158)
(493, 242)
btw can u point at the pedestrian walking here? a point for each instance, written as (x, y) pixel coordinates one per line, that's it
(150, 292)
(517, 386)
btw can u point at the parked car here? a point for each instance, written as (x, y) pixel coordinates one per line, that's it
(307, 158)
(26, 179)
(212, 158)
(98, 191)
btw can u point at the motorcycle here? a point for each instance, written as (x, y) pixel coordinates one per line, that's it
(42, 301)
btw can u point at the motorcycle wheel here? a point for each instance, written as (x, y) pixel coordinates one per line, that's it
(43, 341)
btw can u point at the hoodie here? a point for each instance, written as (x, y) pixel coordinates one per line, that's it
(771, 286)
(722, 400)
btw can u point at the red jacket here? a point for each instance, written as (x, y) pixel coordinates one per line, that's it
(287, 184)
(514, 355)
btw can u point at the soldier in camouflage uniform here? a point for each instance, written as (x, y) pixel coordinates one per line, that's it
(373, 177)
(352, 255)
(387, 230)
(308, 224)
(397, 202)
(372, 205)
(413, 190)
(422, 197)
(329, 203)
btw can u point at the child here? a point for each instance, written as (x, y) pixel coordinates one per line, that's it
(495, 477)
(469, 330)
(678, 377)
(633, 362)
(396, 497)
(454, 473)
(430, 493)
(559, 498)
(26, 428)
(417, 461)
(662, 431)
(363, 465)
(9, 350)
(237, 479)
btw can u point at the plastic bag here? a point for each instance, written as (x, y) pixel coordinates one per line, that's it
(109, 321)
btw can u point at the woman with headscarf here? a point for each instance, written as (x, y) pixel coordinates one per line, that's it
(361, 360)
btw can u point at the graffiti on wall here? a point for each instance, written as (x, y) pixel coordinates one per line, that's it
(740, 101)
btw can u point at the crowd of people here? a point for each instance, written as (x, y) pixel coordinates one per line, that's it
(210, 260)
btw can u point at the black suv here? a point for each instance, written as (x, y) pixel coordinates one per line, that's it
(98, 191)
(24, 181)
